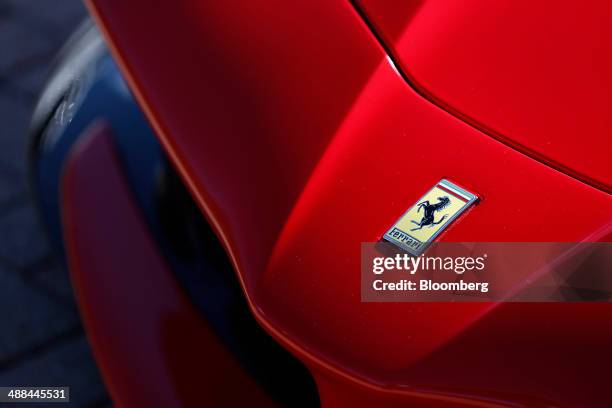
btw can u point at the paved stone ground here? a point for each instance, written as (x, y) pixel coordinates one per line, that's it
(42, 342)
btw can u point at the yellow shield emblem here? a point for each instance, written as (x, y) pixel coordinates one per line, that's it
(429, 216)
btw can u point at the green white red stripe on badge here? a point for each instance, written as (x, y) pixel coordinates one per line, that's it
(456, 191)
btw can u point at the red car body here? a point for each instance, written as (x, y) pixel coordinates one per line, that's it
(305, 128)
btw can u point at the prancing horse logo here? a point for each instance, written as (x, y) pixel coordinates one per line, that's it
(429, 211)
(436, 209)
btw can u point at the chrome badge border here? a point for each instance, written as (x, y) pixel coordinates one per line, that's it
(445, 184)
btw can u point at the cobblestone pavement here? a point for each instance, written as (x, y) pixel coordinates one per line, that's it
(42, 342)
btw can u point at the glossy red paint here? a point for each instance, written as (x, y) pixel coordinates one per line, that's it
(300, 141)
(533, 74)
(312, 290)
(152, 346)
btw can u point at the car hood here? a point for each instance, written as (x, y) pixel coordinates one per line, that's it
(533, 76)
